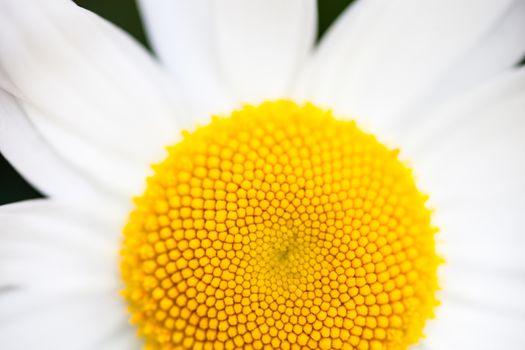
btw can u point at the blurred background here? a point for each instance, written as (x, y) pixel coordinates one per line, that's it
(124, 14)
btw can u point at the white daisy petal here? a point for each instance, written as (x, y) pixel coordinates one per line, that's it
(484, 233)
(92, 92)
(462, 326)
(499, 49)
(47, 246)
(181, 34)
(125, 339)
(258, 44)
(59, 277)
(468, 156)
(79, 321)
(34, 158)
(381, 58)
(488, 287)
(261, 44)
(473, 148)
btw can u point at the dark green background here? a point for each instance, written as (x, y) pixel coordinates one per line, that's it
(124, 14)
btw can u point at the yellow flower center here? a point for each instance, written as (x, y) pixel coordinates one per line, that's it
(280, 227)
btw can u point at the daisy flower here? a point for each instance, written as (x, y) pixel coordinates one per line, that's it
(258, 190)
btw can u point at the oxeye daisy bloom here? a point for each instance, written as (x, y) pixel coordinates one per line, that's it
(258, 190)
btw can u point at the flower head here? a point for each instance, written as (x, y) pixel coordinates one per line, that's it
(302, 215)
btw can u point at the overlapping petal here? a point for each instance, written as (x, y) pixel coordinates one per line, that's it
(28, 151)
(232, 51)
(469, 157)
(380, 60)
(59, 278)
(95, 96)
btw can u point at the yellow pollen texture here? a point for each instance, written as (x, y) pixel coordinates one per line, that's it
(280, 227)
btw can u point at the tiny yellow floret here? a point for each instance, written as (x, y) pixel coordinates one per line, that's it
(280, 227)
